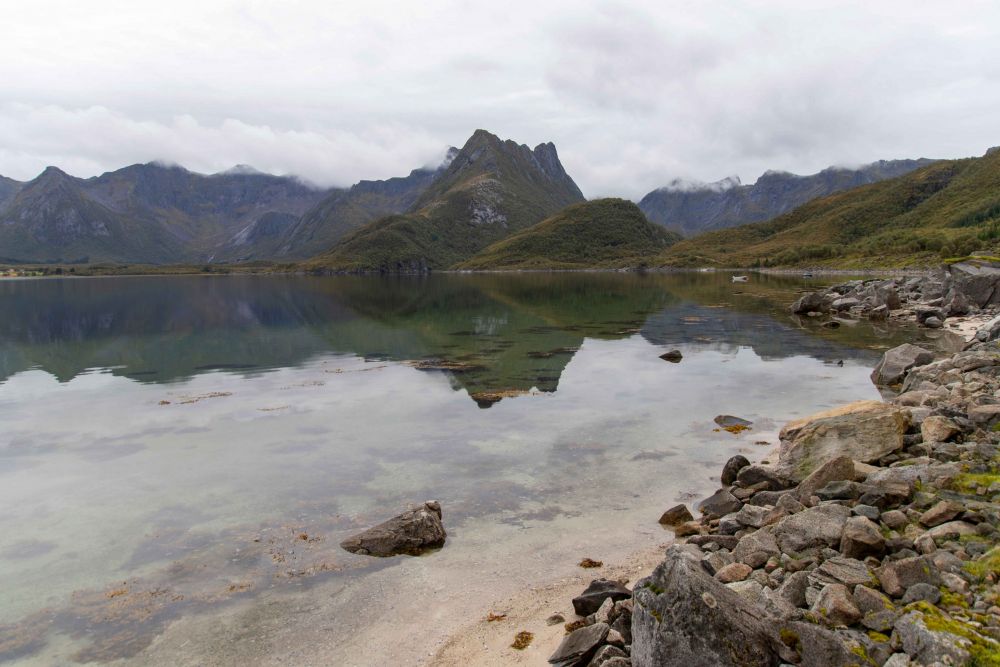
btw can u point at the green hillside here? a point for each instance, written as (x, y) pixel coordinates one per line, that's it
(605, 233)
(948, 209)
(491, 190)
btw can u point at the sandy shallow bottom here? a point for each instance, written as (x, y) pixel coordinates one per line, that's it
(424, 611)
(488, 643)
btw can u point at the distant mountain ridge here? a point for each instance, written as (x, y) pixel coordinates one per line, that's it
(944, 210)
(691, 208)
(144, 213)
(490, 190)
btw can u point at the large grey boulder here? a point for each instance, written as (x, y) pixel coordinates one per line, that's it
(813, 302)
(928, 647)
(684, 617)
(896, 362)
(820, 526)
(880, 294)
(977, 280)
(862, 431)
(412, 532)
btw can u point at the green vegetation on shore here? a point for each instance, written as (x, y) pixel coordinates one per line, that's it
(948, 209)
(605, 233)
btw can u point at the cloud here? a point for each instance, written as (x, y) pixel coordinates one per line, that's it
(89, 141)
(633, 94)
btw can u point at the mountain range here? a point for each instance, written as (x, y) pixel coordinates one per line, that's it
(692, 208)
(145, 213)
(492, 204)
(162, 214)
(947, 209)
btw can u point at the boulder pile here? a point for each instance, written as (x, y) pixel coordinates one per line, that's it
(959, 290)
(872, 541)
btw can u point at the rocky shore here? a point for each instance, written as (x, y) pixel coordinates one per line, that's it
(959, 290)
(872, 539)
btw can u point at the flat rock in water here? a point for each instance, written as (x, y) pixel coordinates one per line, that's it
(676, 515)
(673, 356)
(729, 421)
(412, 532)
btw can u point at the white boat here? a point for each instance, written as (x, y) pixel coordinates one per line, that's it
(741, 279)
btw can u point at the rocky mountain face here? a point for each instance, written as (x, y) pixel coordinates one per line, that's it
(160, 214)
(692, 208)
(491, 189)
(149, 213)
(342, 211)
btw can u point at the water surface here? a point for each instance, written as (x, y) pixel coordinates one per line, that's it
(180, 456)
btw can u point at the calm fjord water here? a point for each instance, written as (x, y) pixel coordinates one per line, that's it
(179, 454)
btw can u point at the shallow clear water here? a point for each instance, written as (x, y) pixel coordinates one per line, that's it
(186, 448)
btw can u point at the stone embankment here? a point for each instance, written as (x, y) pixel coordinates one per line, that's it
(872, 540)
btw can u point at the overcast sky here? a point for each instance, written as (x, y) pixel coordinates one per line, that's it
(633, 94)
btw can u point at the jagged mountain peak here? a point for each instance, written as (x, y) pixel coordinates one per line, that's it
(491, 189)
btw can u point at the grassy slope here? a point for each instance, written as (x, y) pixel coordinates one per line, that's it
(441, 231)
(605, 233)
(949, 208)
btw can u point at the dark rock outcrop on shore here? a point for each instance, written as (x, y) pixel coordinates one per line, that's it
(412, 532)
(883, 553)
(964, 288)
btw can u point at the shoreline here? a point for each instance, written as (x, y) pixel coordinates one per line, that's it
(483, 642)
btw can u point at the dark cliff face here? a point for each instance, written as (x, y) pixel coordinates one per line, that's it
(692, 209)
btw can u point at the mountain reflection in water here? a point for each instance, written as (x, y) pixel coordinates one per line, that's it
(495, 335)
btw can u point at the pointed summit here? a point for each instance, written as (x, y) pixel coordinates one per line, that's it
(491, 189)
